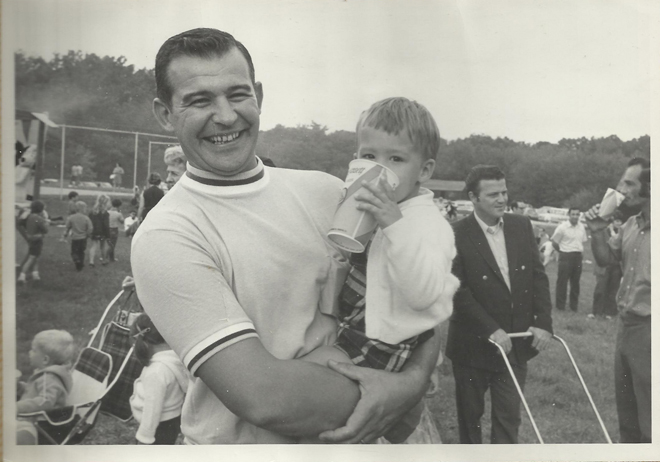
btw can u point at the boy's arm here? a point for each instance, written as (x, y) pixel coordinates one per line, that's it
(49, 389)
(155, 389)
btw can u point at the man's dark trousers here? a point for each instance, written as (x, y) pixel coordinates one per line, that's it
(471, 386)
(569, 270)
(632, 378)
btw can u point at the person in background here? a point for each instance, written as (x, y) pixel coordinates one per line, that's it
(34, 228)
(608, 280)
(151, 196)
(159, 391)
(516, 208)
(118, 173)
(78, 227)
(568, 239)
(101, 229)
(631, 247)
(73, 199)
(175, 160)
(504, 289)
(51, 357)
(116, 220)
(131, 223)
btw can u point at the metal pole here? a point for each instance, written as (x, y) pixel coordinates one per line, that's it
(149, 160)
(135, 161)
(62, 162)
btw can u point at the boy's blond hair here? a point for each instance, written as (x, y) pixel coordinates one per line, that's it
(81, 207)
(394, 115)
(58, 345)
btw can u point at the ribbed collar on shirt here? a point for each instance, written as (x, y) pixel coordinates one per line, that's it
(212, 179)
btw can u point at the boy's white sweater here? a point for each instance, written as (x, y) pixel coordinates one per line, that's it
(410, 286)
(158, 393)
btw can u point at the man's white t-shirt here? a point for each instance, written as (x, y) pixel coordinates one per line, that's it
(214, 265)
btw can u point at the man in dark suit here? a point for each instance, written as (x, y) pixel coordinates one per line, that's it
(504, 289)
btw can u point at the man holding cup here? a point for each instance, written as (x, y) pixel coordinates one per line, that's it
(632, 247)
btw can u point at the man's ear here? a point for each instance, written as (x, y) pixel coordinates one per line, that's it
(259, 91)
(472, 196)
(427, 171)
(355, 155)
(163, 113)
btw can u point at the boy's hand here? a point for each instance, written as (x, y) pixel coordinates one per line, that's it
(378, 200)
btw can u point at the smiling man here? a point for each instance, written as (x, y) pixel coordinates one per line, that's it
(504, 289)
(236, 271)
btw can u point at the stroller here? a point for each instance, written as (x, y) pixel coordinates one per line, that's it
(103, 377)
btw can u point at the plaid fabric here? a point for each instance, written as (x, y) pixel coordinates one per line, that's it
(351, 338)
(93, 363)
(117, 343)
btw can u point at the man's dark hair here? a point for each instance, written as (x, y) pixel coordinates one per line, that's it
(481, 172)
(154, 179)
(570, 209)
(644, 176)
(36, 207)
(201, 43)
(116, 203)
(73, 195)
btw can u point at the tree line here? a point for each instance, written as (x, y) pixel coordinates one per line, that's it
(106, 92)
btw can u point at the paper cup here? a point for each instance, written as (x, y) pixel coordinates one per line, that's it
(352, 228)
(611, 201)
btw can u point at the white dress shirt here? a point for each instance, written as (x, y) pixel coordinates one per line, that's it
(497, 242)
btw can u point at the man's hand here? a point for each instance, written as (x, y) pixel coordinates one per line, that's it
(542, 338)
(386, 396)
(594, 221)
(502, 339)
(378, 200)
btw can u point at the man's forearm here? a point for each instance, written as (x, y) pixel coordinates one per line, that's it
(600, 248)
(290, 397)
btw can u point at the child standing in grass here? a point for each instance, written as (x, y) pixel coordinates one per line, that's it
(101, 232)
(34, 227)
(159, 391)
(116, 219)
(79, 227)
(51, 357)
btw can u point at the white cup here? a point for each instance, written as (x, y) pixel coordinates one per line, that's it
(611, 201)
(352, 228)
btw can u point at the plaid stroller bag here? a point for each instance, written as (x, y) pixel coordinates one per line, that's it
(115, 340)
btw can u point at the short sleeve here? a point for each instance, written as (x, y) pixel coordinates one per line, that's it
(182, 287)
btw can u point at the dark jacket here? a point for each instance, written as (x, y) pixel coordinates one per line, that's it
(484, 303)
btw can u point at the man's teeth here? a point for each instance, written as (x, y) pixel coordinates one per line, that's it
(222, 139)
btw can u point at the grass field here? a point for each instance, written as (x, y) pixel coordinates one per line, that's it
(74, 301)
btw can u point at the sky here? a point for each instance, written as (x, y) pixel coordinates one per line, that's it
(529, 70)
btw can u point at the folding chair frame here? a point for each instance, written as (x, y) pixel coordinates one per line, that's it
(522, 397)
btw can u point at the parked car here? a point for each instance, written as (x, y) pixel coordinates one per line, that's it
(463, 207)
(552, 214)
(531, 213)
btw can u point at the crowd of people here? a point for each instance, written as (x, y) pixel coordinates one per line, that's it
(235, 273)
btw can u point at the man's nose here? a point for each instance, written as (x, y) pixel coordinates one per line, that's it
(223, 112)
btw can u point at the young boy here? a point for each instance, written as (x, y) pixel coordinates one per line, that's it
(130, 224)
(80, 227)
(34, 227)
(116, 220)
(51, 357)
(401, 287)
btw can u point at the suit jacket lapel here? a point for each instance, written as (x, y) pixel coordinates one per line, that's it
(512, 238)
(481, 244)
